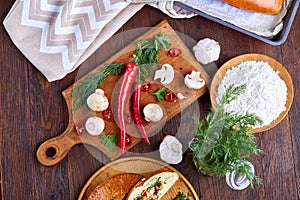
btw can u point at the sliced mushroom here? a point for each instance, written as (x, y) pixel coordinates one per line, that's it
(170, 150)
(194, 81)
(153, 112)
(165, 74)
(94, 125)
(97, 101)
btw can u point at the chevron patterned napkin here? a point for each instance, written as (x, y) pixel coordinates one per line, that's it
(58, 35)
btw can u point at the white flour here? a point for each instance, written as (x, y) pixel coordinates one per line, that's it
(265, 95)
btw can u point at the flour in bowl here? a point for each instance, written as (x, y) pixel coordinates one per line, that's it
(265, 94)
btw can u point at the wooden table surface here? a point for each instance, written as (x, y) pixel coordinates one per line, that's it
(33, 110)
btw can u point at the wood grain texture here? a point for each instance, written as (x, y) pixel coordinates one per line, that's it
(33, 110)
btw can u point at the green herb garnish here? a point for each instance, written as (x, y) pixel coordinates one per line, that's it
(223, 141)
(160, 93)
(109, 140)
(88, 85)
(182, 196)
(146, 54)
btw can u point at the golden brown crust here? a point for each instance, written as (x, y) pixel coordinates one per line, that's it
(115, 188)
(261, 6)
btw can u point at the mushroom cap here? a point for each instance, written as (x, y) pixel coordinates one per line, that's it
(207, 50)
(94, 125)
(153, 112)
(97, 101)
(170, 150)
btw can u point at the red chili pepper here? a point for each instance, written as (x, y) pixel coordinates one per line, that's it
(128, 79)
(137, 112)
(174, 52)
(128, 139)
(170, 96)
(146, 87)
(80, 130)
(107, 115)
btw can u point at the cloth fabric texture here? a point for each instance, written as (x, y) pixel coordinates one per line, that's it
(57, 36)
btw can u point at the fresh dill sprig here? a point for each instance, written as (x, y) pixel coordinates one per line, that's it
(223, 141)
(147, 52)
(88, 85)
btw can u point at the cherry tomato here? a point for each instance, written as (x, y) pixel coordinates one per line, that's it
(128, 140)
(146, 87)
(107, 115)
(170, 96)
(80, 130)
(174, 52)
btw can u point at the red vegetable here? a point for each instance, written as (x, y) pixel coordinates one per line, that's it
(146, 87)
(80, 130)
(137, 112)
(174, 52)
(128, 139)
(170, 96)
(107, 115)
(128, 79)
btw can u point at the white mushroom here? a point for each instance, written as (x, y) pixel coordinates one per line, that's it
(94, 125)
(170, 150)
(207, 50)
(153, 112)
(194, 81)
(97, 101)
(165, 74)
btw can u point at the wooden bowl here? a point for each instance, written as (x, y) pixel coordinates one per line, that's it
(283, 74)
(138, 165)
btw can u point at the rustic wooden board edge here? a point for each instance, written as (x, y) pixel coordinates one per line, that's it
(69, 137)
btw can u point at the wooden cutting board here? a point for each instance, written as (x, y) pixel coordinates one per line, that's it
(55, 149)
(138, 165)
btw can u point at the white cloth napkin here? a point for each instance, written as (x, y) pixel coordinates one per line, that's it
(58, 35)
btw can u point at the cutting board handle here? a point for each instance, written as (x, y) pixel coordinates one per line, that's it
(55, 149)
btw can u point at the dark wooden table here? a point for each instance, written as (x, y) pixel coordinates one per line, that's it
(33, 110)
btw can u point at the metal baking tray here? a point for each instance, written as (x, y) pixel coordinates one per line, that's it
(276, 40)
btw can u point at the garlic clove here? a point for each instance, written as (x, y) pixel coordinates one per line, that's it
(97, 101)
(170, 150)
(94, 125)
(193, 80)
(153, 112)
(238, 182)
(207, 50)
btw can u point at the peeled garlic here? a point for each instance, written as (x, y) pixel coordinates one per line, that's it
(193, 80)
(153, 112)
(94, 125)
(207, 51)
(97, 101)
(170, 150)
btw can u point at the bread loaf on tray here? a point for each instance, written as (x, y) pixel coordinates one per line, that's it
(115, 188)
(154, 187)
(261, 6)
